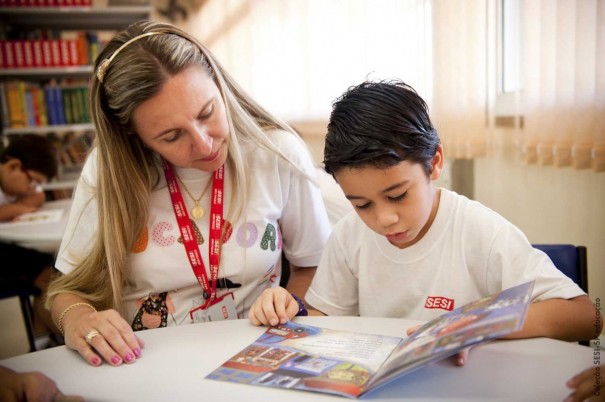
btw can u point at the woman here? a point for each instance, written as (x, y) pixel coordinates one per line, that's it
(179, 145)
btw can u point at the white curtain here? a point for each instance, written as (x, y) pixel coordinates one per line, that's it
(463, 76)
(297, 56)
(563, 99)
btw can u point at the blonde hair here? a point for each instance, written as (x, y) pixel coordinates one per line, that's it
(124, 81)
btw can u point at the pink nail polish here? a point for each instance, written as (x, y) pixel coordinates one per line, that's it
(116, 360)
(95, 361)
(128, 357)
(137, 352)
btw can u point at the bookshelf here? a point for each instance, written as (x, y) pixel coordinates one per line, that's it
(46, 57)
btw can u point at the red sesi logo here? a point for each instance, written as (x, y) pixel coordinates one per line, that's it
(439, 302)
(225, 312)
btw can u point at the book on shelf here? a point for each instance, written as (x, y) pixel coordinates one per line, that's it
(351, 364)
(51, 48)
(35, 104)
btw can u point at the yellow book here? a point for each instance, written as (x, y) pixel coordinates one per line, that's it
(15, 93)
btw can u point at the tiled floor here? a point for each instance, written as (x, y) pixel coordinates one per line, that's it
(13, 338)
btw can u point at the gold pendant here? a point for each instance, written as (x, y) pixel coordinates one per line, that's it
(197, 212)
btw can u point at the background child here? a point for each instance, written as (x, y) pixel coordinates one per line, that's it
(413, 250)
(26, 163)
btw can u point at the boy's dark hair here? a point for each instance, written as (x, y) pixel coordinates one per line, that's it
(35, 152)
(379, 124)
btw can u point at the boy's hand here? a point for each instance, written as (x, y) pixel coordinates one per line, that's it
(274, 306)
(460, 358)
(586, 387)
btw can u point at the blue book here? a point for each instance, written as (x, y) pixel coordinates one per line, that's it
(30, 111)
(51, 107)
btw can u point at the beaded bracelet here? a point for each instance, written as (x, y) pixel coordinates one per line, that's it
(302, 310)
(60, 325)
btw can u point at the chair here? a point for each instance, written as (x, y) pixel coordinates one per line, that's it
(24, 291)
(569, 259)
(285, 271)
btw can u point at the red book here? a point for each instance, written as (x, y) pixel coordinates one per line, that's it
(38, 55)
(47, 53)
(9, 54)
(28, 53)
(64, 51)
(2, 58)
(55, 52)
(19, 53)
(74, 59)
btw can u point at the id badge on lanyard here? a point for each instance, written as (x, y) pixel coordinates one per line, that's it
(214, 308)
(221, 308)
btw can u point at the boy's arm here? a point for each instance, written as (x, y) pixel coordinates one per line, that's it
(33, 199)
(575, 319)
(10, 211)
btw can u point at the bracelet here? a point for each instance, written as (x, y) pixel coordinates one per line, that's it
(302, 310)
(60, 325)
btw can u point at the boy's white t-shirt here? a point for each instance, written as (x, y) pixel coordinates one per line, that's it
(469, 252)
(285, 211)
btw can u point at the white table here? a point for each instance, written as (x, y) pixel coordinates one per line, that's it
(42, 236)
(176, 360)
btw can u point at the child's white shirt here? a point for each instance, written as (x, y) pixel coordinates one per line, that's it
(469, 252)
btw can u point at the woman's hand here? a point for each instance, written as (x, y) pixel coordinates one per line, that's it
(101, 335)
(274, 306)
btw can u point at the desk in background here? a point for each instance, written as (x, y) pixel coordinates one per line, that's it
(43, 236)
(176, 360)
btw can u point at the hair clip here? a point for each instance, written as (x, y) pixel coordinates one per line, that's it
(102, 70)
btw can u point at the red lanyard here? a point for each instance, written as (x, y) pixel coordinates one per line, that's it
(188, 235)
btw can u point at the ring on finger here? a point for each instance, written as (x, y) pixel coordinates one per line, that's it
(91, 335)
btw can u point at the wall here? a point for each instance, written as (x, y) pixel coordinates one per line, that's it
(551, 205)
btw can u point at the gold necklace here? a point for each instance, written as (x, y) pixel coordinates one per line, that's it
(197, 211)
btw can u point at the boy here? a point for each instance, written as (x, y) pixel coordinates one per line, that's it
(26, 163)
(413, 250)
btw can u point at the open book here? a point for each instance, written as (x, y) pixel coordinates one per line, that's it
(40, 216)
(349, 364)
